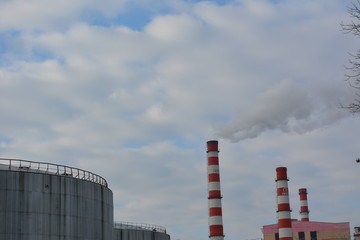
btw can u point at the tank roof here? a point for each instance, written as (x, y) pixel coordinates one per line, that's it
(7, 164)
(139, 226)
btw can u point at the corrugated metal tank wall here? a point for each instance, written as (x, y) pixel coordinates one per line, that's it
(37, 206)
(132, 234)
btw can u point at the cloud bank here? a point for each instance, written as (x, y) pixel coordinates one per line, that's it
(82, 84)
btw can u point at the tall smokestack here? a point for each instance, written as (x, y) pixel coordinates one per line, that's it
(304, 210)
(284, 216)
(214, 191)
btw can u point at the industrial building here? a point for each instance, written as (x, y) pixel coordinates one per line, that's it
(356, 233)
(311, 231)
(288, 228)
(44, 201)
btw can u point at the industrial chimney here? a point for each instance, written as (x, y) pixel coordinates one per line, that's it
(284, 216)
(304, 210)
(214, 191)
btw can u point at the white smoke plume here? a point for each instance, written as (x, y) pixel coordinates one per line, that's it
(287, 107)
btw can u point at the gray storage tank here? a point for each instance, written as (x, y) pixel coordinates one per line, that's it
(139, 231)
(43, 201)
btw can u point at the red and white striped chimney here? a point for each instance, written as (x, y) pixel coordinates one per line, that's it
(304, 209)
(215, 211)
(284, 216)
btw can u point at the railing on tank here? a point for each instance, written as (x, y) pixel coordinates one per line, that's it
(50, 168)
(139, 226)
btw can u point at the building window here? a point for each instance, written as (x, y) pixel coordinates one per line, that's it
(313, 236)
(301, 236)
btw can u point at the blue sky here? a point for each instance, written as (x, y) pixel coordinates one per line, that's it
(132, 90)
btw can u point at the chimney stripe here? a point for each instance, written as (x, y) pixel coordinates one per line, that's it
(283, 199)
(304, 209)
(284, 215)
(284, 207)
(282, 191)
(215, 203)
(215, 220)
(284, 223)
(213, 169)
(214, 194)
(214, 186)
(213, 160)
(281, 184)
(214, 177)
(217, 230)
(215, 211)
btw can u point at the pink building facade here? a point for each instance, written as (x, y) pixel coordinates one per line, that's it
(303, 230)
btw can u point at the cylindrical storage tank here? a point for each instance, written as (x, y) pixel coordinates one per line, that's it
(139, 231)
(41, 201)
(283, 202)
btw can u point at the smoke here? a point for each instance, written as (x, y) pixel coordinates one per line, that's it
(287, 107)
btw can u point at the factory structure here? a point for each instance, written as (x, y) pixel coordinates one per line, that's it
(44, 201)
(357, 233)
(286, 227)
(304, 229)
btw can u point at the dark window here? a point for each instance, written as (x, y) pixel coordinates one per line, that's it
(276, 236)
(301, 236)
(313, 236)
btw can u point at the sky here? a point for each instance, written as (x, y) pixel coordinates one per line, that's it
(133, 90)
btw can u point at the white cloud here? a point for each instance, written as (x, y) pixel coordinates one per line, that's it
(45, 15)
(174, 29)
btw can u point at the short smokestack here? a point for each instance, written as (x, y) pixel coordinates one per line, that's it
(304, 209)
(284, 216)
(214, 198)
